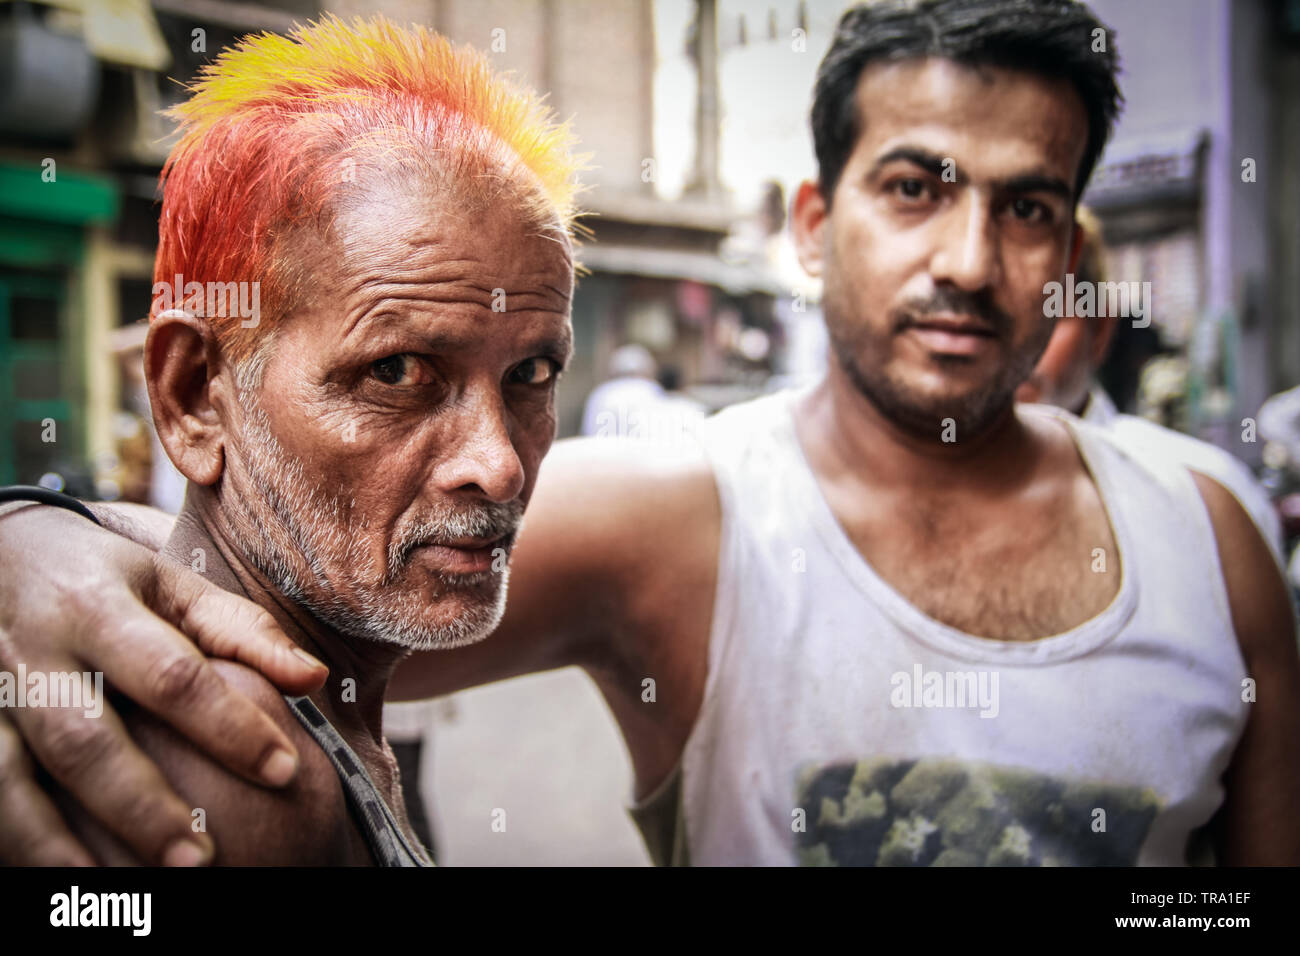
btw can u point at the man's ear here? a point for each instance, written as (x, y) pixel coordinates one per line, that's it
(807, 226)
(181, 364)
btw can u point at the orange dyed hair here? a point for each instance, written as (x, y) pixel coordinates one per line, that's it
(278, 128)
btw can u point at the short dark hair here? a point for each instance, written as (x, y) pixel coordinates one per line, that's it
(1053, 38)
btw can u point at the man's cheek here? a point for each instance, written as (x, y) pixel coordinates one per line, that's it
(351, 433)
(530, 458)
(535, 424)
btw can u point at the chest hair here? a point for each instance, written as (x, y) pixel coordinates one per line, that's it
(1017, 571)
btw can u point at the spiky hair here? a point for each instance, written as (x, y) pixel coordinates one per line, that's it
(282, 131)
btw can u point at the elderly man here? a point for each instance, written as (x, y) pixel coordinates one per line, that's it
(893, 619)
(1064, 377)
(359, 454)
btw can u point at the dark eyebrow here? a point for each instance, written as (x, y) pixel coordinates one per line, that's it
(931, 162)
(1036, 183)
(557, 344)
(934, 164)
(560, 346)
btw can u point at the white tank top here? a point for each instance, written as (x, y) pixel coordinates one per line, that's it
(840, 724)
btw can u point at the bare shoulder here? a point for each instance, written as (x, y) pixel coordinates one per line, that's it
(629, 478)
(1053, 436)
(303, 824)
(622, 508)
(611, 526)
(1261, 609)
(1257, 824)
(1051, 433)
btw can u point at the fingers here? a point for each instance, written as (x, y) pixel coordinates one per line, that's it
(32, 832)
(158, 668)
(229, 626)
(68, 603)
(95, 759)
(61, 580)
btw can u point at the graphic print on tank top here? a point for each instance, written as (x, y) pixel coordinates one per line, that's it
(1135, 713)
(883, 811)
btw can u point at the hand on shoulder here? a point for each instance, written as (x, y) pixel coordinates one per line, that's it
(302, 824)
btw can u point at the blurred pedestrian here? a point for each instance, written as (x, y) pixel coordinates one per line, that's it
(634, 404)
(1066, 376)
(1279, 421)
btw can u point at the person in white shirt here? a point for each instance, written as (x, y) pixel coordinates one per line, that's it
(1065, 377)
(633, 403)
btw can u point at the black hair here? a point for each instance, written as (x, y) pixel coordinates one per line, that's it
(1053, 38)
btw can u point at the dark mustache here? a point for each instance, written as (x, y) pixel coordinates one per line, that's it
(956, 302)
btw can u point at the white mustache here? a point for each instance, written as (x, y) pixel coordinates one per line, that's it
(456, 523)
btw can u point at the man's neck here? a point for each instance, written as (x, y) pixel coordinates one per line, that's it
(844, 431)
(355, 709)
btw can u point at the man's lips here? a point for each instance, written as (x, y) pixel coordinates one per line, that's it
(464, 555)
(951, 335)
(960, 324)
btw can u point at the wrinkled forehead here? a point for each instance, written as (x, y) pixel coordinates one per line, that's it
(501, 231)
(412, 240)
(414, 267)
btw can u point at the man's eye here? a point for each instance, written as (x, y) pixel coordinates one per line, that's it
(911, 188)
(534, 371)
(1030, 210)
(398, 370)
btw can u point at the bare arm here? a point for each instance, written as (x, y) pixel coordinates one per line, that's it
(1258, 823)
(609, 524)
(615, 571)
(561, 591)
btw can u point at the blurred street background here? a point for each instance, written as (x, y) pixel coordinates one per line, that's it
(696, 113)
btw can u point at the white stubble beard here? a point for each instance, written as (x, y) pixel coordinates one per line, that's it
(291, 533)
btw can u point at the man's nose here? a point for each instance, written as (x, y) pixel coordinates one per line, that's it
(967, 254)
(483, 458)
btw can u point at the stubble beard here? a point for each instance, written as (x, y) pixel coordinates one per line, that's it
(971, 414)
(308, 543)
